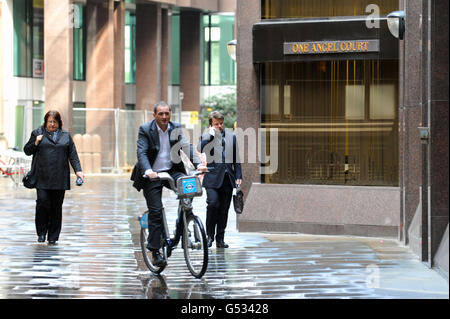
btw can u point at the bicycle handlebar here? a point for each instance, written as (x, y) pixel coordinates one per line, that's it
(163, 176)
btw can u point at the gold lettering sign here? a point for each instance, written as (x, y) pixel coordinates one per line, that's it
(327, 47)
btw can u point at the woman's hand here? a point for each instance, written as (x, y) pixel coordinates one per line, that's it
(38, 139)
(80, 175)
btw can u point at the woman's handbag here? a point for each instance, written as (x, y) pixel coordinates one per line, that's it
(30, 179)
(238, 200)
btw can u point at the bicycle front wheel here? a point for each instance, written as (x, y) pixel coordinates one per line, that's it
(195, 245)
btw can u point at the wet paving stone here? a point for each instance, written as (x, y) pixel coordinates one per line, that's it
(99, 256)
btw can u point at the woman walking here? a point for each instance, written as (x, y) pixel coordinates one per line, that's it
(52, 149)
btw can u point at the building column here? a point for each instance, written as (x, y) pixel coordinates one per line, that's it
(436, 117)
(105, 73)
(190, 59)
(148, 55)
(410, 117)
(105, 87)
(165, 43)
(119, 54)
(58, 59)
(248, 12)
(424, 103)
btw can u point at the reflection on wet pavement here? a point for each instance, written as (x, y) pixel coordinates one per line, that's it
(98, 256)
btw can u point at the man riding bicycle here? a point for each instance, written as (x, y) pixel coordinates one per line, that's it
(157, 141)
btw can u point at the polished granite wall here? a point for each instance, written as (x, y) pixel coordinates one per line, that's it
(424, 102)
(248, 12)
(439, 118)
(322, 209)
(411, 118)
(417, 92)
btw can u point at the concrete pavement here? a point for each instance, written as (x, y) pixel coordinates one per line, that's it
(98, 256)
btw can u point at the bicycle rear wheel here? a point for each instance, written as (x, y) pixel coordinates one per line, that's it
(195, 245)
(147, 254)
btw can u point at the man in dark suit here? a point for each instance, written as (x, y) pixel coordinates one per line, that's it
(157, 141)
(224, 174)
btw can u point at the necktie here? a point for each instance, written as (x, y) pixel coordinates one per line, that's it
(223, 147)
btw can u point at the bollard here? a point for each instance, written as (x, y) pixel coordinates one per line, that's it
(96, 163)
(87, 162)
(78, 140)
(87, 143)
(96, 143)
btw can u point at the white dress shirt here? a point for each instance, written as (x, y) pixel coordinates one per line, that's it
(163, 162)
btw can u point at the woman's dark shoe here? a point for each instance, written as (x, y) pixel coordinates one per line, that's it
(52, 242)
(221, 244)
(41, 238)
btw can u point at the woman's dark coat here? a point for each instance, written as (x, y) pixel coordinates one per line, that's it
(52, 166)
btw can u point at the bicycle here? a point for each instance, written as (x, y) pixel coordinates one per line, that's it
(194, 240)
(11, 169)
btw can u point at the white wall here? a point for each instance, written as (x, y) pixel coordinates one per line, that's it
(8, 87)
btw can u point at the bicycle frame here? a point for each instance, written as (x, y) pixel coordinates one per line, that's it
(189, 227)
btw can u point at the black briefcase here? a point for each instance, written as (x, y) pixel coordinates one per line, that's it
(238, 200)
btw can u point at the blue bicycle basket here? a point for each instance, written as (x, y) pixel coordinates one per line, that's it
(143, 220)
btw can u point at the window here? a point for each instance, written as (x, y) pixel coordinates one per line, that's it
(275, 9)
(337, 121)
(79, 42)
(175, 49)
(38, 113)
(130, 47)
(79, 118)
(28, 20)
(218, 67)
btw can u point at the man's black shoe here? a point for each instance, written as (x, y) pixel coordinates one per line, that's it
(158, 260)
(41, 238)
(221, 244)
(52, 242)
(210, 241)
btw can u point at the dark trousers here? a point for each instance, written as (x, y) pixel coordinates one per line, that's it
(218, 202)
(49, 213)
(152, 194)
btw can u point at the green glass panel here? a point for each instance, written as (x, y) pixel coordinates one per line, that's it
(19, 134)
(218, 67)
(130, 47)
(22, 17)
(79, 118)
(175, 50)
(38, 114)
(79, 43)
